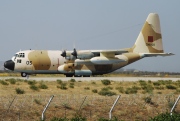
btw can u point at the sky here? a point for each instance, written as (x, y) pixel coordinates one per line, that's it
(88, 25)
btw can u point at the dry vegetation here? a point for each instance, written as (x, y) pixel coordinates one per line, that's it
(114, 74)
(25, 99)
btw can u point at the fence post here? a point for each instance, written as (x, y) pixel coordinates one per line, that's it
(175, 104)
(11, 104)
(42, 118)
(81, 106)
(8, 107)
(110, 115)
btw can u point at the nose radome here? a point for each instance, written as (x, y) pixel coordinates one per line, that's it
(9, 65)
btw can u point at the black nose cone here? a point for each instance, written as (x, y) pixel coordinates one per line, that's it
(9, 65)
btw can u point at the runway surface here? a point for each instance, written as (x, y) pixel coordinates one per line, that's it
(95, 78)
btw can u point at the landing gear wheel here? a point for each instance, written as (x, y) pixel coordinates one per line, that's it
(86, 75)
(69, 75)
(23, 74)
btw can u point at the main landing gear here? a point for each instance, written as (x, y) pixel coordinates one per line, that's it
(71, 75)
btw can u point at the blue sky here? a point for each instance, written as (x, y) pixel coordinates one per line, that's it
(88, 24)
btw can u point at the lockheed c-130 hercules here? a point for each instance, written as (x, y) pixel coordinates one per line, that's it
(90, 62)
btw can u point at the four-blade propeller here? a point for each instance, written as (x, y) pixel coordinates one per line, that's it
(74, 53)
(63, 54)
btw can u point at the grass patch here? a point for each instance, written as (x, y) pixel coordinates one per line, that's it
(132, 90)
(43, 86)
(11, 80)
(147, 88)
(34, 87)
(106, 82)
(76, 118)
(166, 117)
(148, 100)
(72, 80)
(178, 90)
(59, 81)
(4, 82)
(149, 81)
(120, 89)
(19, 91)
(170, 86)
(156, 83)
(71, 85)
(106, 92)
(142, 82)
(87, 88)
(63, 86)
(95, 91)
(32, 82)
(105, 89)
(159, 87)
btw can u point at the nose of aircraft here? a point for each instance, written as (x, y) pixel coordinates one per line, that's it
(9, 65)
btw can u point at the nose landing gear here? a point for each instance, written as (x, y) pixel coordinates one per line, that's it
(23, 74)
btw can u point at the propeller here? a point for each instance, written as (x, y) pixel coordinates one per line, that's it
(63, 54)
(74, 53)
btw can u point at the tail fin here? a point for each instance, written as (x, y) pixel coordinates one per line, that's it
(149, 39)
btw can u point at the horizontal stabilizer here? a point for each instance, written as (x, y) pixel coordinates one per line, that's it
(156, 54)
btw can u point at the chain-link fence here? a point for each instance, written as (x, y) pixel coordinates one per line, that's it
(129, 107)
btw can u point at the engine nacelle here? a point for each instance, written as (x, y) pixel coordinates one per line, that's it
(105, 60)
(66, 68)
(85, 55)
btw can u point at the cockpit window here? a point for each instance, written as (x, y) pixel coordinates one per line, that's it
(16, 55)
(21, 55)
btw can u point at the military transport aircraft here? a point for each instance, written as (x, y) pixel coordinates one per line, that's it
(90, 62)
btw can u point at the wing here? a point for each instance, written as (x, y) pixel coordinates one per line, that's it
(108, 53)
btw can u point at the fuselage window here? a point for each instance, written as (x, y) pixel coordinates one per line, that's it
(18, 60)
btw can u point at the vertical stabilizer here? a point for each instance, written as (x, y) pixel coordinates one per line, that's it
(149, 39)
